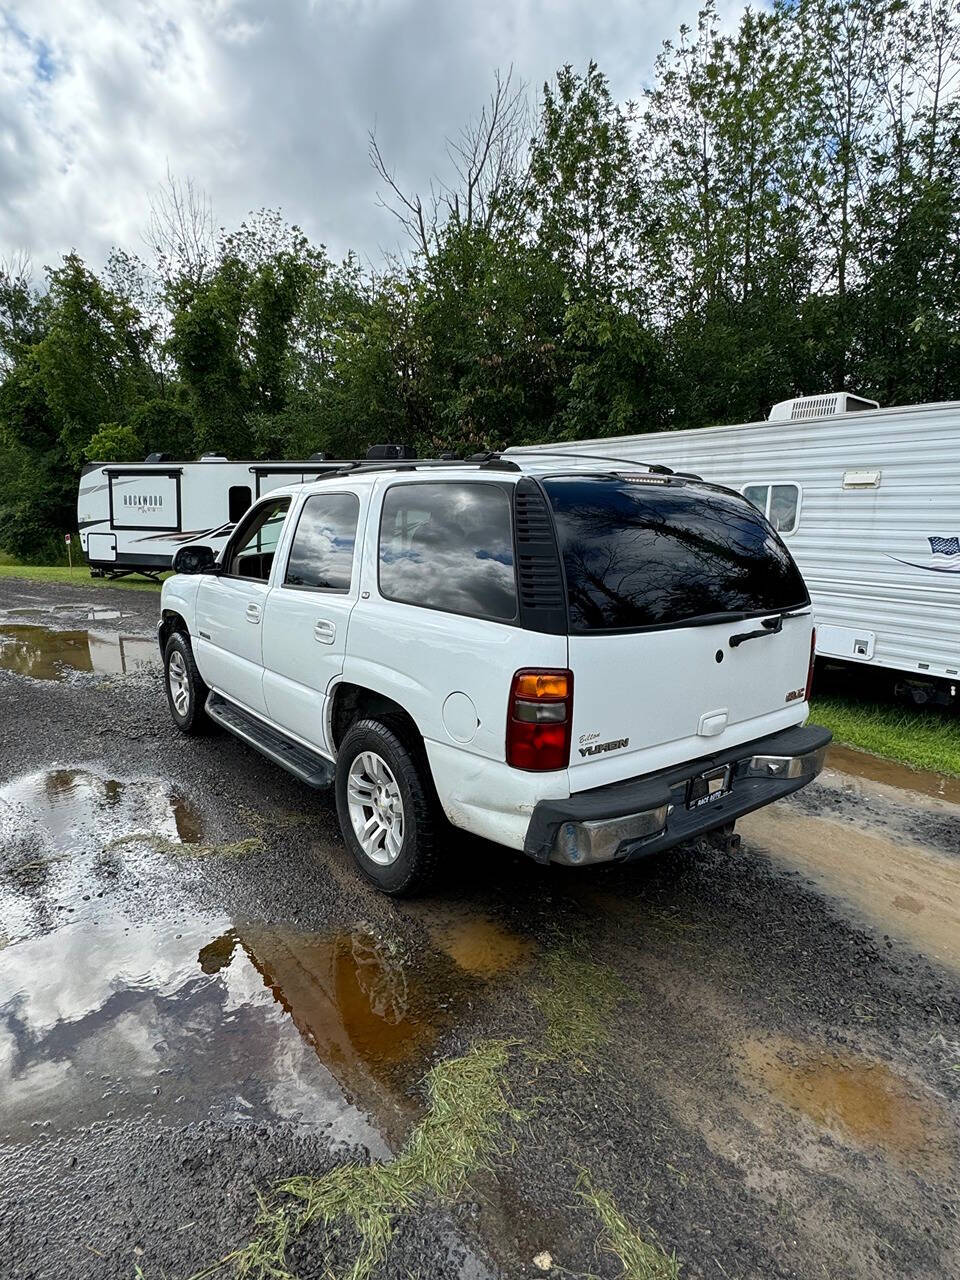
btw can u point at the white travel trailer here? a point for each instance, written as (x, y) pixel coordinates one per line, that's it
(867, 500)
(133, 517)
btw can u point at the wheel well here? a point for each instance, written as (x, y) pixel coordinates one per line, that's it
(170, 623)
(353, 701)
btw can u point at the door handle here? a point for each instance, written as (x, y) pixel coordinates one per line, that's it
(253, 613)
(324, 632)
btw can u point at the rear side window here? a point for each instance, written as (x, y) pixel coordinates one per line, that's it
(321, 555)
(643, 555)
(449, 546)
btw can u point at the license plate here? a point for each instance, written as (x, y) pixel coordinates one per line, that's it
(708, 787)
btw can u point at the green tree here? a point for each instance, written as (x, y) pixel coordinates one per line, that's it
(584, 188)
(233, 330)
(91, 359)
(114, 442)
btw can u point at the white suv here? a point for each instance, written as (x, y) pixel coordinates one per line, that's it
(585, 660)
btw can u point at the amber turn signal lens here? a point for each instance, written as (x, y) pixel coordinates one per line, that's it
(542, 684)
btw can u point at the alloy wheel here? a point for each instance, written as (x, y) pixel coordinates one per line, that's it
(179, 683)
(376, 808)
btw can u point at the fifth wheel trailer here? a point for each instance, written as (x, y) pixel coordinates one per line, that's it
(133, 517)
(867, 500)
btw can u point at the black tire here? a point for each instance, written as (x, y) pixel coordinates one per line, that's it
(414, 868)
(192, 718)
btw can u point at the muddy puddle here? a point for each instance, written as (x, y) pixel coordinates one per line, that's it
(860, 764)
(905, 890)
(46, 654)
(857, 1099)
(112, 1015)
(107, 1012)
(477, 944)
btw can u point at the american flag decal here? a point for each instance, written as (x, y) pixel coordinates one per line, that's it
(945, 546)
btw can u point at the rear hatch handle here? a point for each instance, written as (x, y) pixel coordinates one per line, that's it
(769, 627)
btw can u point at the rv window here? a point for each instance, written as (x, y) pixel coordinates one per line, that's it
(322, 552)
(252, 547)
(780, 503)
(240, 498)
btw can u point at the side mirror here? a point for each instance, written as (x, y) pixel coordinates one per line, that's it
(195, 559)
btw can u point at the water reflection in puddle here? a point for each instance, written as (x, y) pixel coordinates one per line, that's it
(111, 1016)
(90, 612)
(45, 654)
(852, 1096)
(107, 1012)
(63, 811)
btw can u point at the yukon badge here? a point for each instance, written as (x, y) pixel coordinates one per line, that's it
(599, 747)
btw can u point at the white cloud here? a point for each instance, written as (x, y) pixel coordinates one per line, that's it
(267, 104)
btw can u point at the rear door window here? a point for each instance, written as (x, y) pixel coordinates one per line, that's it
(321, 556)
(449, 546)
(639, 555)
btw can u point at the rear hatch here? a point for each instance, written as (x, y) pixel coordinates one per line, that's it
(666, 578)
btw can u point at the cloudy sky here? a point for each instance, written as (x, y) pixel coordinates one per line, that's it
(268, 102)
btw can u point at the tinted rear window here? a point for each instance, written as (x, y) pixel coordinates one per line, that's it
(645, 555)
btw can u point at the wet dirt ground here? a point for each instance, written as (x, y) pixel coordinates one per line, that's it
(756, 1056)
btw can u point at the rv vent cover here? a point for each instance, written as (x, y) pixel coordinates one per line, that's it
(803, 407)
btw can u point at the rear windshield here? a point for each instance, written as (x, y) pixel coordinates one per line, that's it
(645, 555)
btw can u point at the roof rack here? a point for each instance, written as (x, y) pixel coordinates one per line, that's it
(486, 461)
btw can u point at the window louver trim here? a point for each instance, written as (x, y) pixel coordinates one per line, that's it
(543, 605)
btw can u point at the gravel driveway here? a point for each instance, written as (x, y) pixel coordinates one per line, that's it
(750, 1061)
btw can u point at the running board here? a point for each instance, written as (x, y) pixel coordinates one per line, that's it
(309, 766)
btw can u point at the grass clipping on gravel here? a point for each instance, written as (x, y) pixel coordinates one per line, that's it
(641, 1259)
(225, 849)
(188, 849)
(577, 1000)
(467, 1103)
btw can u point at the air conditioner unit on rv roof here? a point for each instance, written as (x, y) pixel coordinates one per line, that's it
(802, 407)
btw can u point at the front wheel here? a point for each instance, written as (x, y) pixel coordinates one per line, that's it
(186, 692)
(387, 808)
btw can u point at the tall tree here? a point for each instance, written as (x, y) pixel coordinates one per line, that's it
(584, 188)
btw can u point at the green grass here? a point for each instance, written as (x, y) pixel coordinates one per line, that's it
(922, 739)
(577, 1001)
(78, 576)
(467, 1104)
(639, 1258)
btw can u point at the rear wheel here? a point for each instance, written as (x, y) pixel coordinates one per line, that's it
(387, 807)
(186, 692)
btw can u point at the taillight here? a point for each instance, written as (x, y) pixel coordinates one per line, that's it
(813, 655)
(539, 717)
